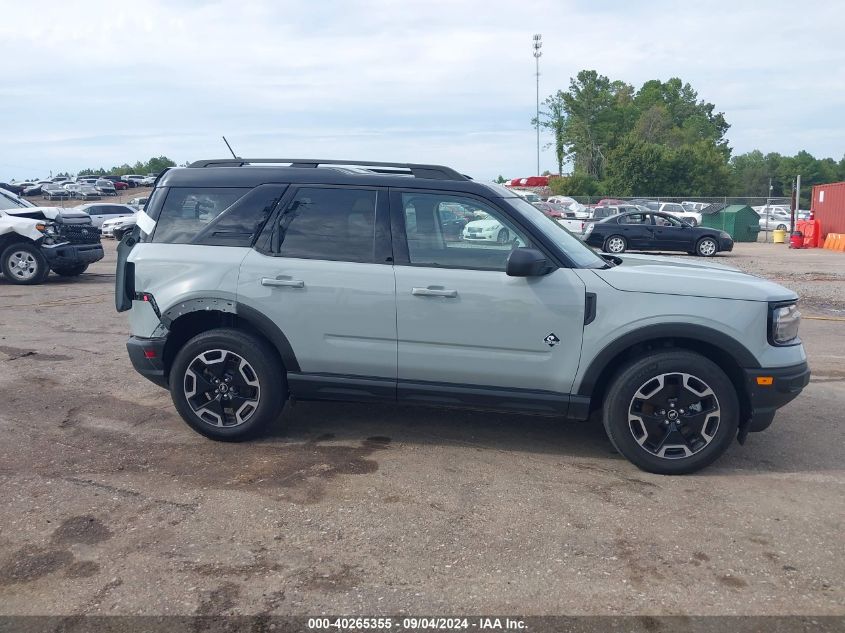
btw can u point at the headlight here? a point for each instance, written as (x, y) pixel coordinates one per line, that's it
(783, 324)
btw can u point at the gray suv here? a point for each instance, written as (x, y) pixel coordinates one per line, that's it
(252, 281)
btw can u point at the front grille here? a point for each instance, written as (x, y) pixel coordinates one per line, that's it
(80, 234)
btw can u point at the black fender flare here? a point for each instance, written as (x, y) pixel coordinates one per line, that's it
(690, 331)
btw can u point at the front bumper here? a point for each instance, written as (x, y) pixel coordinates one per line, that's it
(147, 356)
(785, 385)
(726, 244)
(63, 255)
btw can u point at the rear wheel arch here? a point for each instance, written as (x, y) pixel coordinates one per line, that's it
(730, 355)
(185, 327)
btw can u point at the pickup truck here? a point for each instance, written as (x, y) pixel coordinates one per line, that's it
(35, 240)
(559, 213)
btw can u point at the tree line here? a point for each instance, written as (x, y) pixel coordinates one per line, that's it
(154, 165)
(661, 140)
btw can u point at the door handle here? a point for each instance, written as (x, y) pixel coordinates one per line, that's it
(434, 292)
(288, 283)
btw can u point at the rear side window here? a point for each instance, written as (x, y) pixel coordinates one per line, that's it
(242, 222)
(336, 224)
(187, 211)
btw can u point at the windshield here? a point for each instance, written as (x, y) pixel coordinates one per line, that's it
(11, 201)
(574, 248)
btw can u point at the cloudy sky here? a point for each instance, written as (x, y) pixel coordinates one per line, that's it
(89, 84)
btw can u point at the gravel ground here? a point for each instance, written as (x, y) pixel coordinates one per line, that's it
(109, 504)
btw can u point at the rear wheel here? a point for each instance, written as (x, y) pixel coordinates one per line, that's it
(780, 227)
(615, 244)
(23, 263)
(503, 236)
(692, 222)
(226, 385)
(71, 271)
(707, 247)
(671, 412)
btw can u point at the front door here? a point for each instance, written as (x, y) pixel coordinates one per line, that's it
(462, 322)
(314, 274)
(670, 234)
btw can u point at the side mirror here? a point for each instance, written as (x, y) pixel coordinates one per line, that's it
(525, 262)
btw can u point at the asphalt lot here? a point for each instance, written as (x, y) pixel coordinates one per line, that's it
(109, 504)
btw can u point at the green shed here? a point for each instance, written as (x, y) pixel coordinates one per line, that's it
(740, 221)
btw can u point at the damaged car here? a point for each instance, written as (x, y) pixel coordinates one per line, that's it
(35, 240)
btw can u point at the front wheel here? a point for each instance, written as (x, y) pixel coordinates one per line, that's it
(671, 412)
(615, 244)
(707, 247)
(71, 271)
(226, 385)
(780, 227)
(24, 264)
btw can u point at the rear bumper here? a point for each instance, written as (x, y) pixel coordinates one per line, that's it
(786, 384)
(72, 254)
(147, 356)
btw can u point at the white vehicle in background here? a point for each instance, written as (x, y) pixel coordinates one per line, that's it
(138, 203)
(136, 178)
(678, 210)
(100, 212)
(774, 217)
(694, 206)
(118, 226)
(486, 229)
(581, 211)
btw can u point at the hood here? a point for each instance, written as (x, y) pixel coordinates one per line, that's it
(674, 276)
(57, 214)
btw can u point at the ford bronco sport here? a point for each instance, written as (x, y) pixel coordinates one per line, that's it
(251, 281)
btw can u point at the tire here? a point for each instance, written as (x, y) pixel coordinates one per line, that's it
(117, 235)
(503, 237)
(71, 271)
(706, 247)
(261, 381)
(23, 263)
(780, 227)
(692, 222)
(615, 244)
(690, 441)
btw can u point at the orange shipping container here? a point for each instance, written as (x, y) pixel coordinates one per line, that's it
(828, 208)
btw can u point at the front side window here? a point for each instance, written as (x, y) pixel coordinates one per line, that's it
(457, 232)
(336, 224)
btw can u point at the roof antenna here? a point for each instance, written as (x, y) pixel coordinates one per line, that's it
(230, 148)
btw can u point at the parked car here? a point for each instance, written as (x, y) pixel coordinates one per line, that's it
(15, 189)
(694, 206)
(607, 202)
(83, 191)
(138, 203)
(54, 192)
(581, 211)
(527, 195)
(653, 231)
(35, 240)
(116, 181)
(775, 217)
(100, 212)
(133, 179)
(105, 187)
(147, 181)
(678, 210)
(250, 285)
(33, 190)
(118, 226)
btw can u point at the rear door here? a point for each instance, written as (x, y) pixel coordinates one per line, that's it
(636, 228)
(322, 275)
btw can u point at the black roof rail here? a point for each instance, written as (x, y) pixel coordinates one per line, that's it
(434, 172)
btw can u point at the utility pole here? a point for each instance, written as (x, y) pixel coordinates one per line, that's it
(538, 44)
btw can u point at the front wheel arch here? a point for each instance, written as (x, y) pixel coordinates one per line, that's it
(731, 357)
